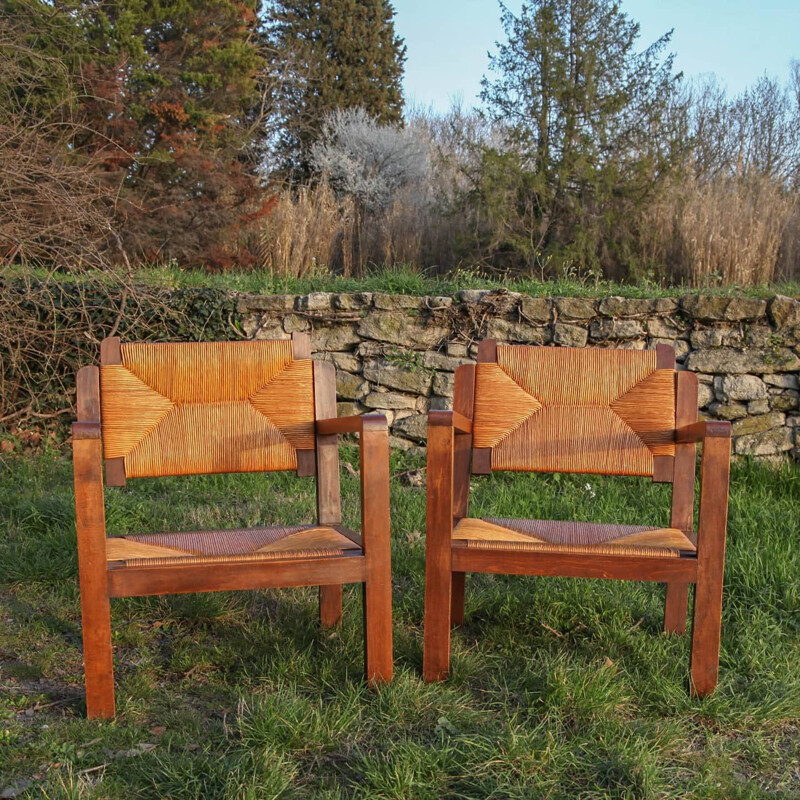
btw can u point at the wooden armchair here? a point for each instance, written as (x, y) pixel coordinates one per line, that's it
(152, 410)
(615, 412)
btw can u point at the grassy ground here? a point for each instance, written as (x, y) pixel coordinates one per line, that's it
(561, 688)
(405, 280)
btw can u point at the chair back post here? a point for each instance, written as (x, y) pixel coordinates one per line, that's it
(463, 402)
(683, 480)
(306, 459)
(111, 353)
(329, 504)
(482, 456)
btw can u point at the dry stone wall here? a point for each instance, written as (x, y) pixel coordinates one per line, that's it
(397, 354)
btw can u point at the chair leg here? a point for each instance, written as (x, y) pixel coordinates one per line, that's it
(330, 605)
(457, 601)
(379, 666)
(675, 607)
(97, 654)
(438, 597)
(706, 631)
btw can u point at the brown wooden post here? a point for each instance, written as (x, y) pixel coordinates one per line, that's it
(682, 517)
(438, 547)
(375, 532)
(711, 533)
(329, 509)
(463, 400)
(91, 530)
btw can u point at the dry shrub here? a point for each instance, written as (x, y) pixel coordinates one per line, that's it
(307, 229)
(727, 230)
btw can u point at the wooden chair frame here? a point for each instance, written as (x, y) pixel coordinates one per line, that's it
(370, 565)
(451, 458)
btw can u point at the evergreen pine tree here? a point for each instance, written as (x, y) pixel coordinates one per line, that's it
(171, 92)
(335, 55)
(590, 125)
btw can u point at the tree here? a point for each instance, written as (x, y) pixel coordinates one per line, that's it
(590, 127)
(172, 105)
(336, 55)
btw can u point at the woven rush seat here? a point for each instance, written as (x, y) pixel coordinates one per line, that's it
(227, 546)
(584, 538)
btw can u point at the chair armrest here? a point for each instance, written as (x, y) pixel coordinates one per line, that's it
(354, 424)
(707, 429)
(373, 431)
(451, 419)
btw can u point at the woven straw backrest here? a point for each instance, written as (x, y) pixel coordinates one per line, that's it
(548, 409)
(183, 409)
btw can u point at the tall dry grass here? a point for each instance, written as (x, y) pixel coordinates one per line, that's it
(726, 230)
(309, 228)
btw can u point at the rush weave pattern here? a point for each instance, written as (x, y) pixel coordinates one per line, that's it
(574, 410)
(183, 409)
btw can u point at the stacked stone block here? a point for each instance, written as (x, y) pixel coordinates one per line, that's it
(397, 354)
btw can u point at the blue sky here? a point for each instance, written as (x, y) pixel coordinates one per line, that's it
(448, 41)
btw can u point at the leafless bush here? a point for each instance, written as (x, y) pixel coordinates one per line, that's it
(727, 230)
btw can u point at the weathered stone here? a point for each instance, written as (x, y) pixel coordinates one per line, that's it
(334, 337)
(437, 301)
(248, 303)
(778, 440)
(728, 411)
(347, 409)
(352, 302)
(782, 381)
(732, 309)
(745, 308)
(788, 401)
(349, 386)
(663, 328)
(394, 302)
(741, 387)
(456, 350)
(703, 378)
(704, 395)
(413, 380)
(250, 326)
(471, 295)
(399, 443)
(735, 362)
(758, 406)
(441, 403)
(793, 422)
(395, 328)
(345, 361)
(784, 311)
(535, 309)
(272, 330)
(631, 344)
(759, 424)
(664, 305)
(316, 301)
(295, 322)
(569, 335)
(423, 404)
(605, 329)
(623, 307)
(414, 427)
(708, 337)
(443, 384)
(439, 361)
(509, 331)
(385, 400)
(575, 308)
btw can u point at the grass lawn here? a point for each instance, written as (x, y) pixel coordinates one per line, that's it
(560, 689)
